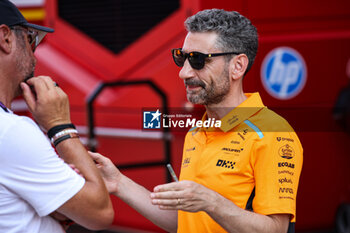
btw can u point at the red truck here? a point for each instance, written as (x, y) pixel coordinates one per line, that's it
(114, 62)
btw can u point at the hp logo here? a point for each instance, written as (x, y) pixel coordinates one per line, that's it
(283, 73)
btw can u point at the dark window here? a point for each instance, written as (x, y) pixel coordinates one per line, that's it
(115, 23)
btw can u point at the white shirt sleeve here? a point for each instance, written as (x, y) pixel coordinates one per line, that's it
(31, 168)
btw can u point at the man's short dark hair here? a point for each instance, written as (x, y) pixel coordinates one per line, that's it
(235, 32)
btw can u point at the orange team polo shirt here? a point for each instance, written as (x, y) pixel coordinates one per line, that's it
(254, 159)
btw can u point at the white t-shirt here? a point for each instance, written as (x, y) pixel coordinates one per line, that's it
(34, 181)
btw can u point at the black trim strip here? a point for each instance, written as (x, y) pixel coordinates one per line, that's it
(249, 205)
(291, 227)
(3, 107)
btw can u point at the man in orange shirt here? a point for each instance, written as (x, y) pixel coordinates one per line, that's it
(240, 177)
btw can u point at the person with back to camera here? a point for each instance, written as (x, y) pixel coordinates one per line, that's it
(240, 177)
(35, 184)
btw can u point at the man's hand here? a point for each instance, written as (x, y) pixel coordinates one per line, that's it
(133, 194)
(63, 220)
(75, 169)
(47, 102)
(184, 195)
(110, 174)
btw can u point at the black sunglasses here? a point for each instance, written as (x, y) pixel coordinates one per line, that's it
(32, 36)
(196, 59)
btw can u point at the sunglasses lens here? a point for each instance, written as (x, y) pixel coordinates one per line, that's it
(34, 43)
(197, 60)
(178, 57)
(33, 39)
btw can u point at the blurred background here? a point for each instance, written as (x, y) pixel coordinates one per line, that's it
(112, 57)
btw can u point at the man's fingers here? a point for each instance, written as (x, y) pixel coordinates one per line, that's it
(40, 87)
(42, 83)
(28, 95)
(94, 156)
(49, 83)
(167, 195)
(166, 202)
(75, 169)
(97, 157)
(60, 91)
(175, 186)
(163, 195)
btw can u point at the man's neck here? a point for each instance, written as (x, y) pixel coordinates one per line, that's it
(6, 95)
(221, 109)
(5, 102)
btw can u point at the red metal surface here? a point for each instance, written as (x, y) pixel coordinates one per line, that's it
(319, 30)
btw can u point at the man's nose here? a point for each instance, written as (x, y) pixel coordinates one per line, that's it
(186, 71)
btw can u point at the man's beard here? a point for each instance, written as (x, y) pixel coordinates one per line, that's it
(213, 93)
(27, 72)
(25, 63)
(30, 75)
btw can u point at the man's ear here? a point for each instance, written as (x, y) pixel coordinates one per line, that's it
(6, 38)
(238, 66)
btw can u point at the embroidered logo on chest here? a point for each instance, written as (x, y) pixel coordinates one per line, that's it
(225, 164)
(231, 149)
(186, 162)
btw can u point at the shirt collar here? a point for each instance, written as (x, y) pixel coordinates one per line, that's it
(246, 109)
(3, 107)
